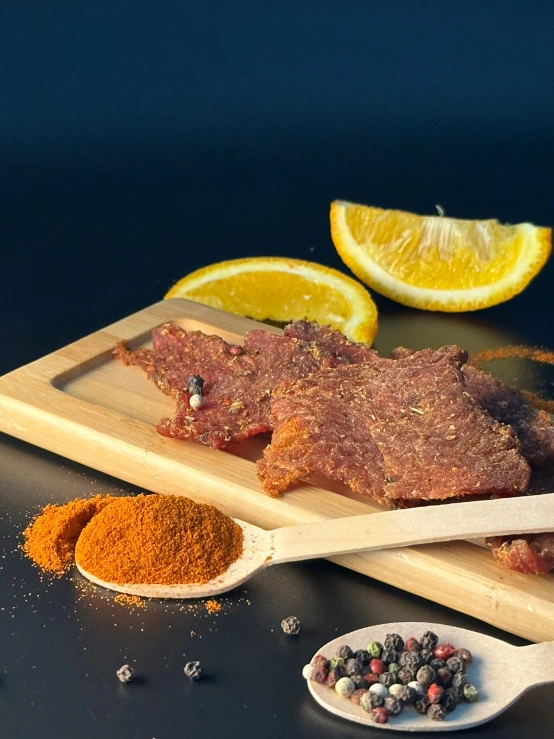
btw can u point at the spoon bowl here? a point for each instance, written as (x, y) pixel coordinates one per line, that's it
(501, 672)
(256, 554)
(367, 532)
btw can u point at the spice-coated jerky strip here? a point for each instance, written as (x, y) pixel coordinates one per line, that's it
(404, 429)
(238, 381)
(533, 554)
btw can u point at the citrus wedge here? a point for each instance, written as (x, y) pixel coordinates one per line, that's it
(280, 289)
(438, 263)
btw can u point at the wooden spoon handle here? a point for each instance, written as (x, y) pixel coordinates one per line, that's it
(425, 525)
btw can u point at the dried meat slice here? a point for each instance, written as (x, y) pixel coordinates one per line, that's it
(238, 381)
(393, 429)
(507, 405)
(532, 554)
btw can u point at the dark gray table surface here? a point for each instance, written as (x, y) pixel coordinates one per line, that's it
(139, 143)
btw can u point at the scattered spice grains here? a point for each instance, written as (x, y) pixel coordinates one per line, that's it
(51, 537)
(212, 606)
(134, 601)
(440, 686)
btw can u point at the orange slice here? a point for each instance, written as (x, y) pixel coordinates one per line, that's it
(280, 289)
(438, 263)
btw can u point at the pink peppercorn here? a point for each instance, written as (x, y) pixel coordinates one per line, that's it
(357, 695)
(444, 651)
(434, 693)
(235, 350)
(320, 674)
(319, 659)
(412, 645)
(377, 666)
(379, 716)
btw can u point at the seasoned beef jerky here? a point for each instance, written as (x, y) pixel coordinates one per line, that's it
(404, 429)
(534, 428)
(237, 381)
(507, 405)
(533, 554)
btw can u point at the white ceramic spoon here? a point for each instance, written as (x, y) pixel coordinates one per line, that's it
(501, 673)
(385, 530)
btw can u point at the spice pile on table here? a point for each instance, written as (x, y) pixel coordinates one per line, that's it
(384, 678)
(151, 539)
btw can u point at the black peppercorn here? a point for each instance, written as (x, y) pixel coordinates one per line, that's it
(459, 680)
(393, 706)
(422, 704)
(413, 660)
(426, 655)
(425, 675)
(444, 677)
(375, 700)
(437, 664)
(429, 640)
(389, 655)
(387, 679)
(407, 694)
(406, 675)
(436, 712)
(450, 699)
(353, 667)
(394, 641)
(363, 656)
(345, 652)
(465, 655)
(291, 626)
(455, 664)
(193, 670)
(358, 681)
(195, 383)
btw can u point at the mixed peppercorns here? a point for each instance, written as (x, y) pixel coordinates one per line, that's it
(383, 678)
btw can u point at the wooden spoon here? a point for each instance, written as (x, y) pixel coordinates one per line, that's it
(500, 672)
(385, 530)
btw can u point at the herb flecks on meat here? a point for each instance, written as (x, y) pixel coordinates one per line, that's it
(237, 384)
(409, 420)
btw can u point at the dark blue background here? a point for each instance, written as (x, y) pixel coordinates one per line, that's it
(139, 141)
(142, 140)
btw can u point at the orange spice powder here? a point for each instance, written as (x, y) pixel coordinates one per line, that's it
(50, 538)
(158, 539)
(130, 600)
(212, 606)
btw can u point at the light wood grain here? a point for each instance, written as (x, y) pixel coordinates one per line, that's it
(80, 403)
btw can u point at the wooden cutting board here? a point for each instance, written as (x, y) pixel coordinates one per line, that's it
(82, 404)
